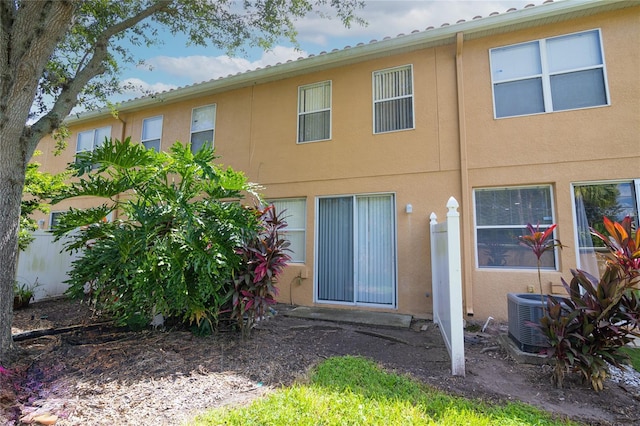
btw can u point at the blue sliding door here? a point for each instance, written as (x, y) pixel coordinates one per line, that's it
(356, 253)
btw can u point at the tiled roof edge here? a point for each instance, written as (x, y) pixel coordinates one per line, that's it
(361, 51)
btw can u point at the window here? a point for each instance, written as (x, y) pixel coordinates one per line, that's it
(91, 139)
(393, 99)
(314, 112)
(203, 120)
(295, 216)
(502, 215)
(54, 218)
(547, 75)
(592, 202)
(152, 132)
(356, 251)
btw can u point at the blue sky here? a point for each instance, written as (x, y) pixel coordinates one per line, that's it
(175, 65)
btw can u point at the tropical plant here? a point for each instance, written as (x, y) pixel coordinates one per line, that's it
(172, 248)
(623, 246)
(39, 187)
(587, 330)
(22, 294)
(263, 259)
(540, 242)
(82, 45)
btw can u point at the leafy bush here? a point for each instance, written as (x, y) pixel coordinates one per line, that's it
(263, 259)
(38, 188)
(172, 249)
(587, 330)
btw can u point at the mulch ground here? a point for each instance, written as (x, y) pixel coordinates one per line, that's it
(109, 376)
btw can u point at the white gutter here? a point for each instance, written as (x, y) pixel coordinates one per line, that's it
(445, 34)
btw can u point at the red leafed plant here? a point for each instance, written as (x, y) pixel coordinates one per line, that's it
(623, 246)
(540, 242)
(263, 259)
(600, 315)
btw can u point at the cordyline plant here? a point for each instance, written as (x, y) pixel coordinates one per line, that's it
(623, 246)
(601, 315)
(263, 259)
(540, 242)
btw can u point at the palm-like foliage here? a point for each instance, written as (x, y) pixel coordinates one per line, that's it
(173, 246)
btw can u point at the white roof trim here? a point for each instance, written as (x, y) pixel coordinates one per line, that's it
(402, 43)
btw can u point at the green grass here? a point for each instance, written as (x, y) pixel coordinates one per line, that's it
(354, 391)
(634, 355)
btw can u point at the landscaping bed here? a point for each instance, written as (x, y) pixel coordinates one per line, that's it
(108, 375)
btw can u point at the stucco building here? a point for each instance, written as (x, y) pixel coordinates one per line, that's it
(523, 116)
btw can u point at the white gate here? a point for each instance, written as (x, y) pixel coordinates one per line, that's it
(446, 278)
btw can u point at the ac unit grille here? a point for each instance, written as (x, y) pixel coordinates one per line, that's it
(523, 309)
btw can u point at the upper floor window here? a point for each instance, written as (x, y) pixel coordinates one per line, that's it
(152, 132)
(393, 99)
(295, 215)
(502, 215)
(314, 112)
(203, 123)
(91, 139)
(547, 75)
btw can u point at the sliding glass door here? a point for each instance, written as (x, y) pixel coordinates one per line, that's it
(356, 252)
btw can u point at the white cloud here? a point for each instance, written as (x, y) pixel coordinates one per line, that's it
(137, 87)
(315, 34)
(204, 68)
(393, 17)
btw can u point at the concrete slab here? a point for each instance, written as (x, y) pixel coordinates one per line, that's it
(520, 356)
(351, 316)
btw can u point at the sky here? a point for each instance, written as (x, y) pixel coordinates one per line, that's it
(173, 65)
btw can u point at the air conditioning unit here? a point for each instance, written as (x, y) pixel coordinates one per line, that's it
(523, 309)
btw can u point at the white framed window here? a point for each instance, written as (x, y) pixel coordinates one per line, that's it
(295, 214)
(91, 139)
(152, 132)
(501, 216)
(314, 112)
(393, 99)
(203, 123)
(547, 75)
(592, 202)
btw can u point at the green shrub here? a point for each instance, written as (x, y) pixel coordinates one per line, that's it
(172, 248)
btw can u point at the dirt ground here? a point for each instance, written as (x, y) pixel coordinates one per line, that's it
(106, 376)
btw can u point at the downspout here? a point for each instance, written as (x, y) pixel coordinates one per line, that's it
(116, 212)
(465, 191)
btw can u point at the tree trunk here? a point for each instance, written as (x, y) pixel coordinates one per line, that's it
(28, 36)
(12, 174)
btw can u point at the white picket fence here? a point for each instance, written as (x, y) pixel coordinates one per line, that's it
(44, 265)
(446, 274)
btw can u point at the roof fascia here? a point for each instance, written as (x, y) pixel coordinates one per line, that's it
(403, 43)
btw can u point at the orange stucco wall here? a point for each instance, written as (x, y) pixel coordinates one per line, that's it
(256, 133)
(557, 148)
